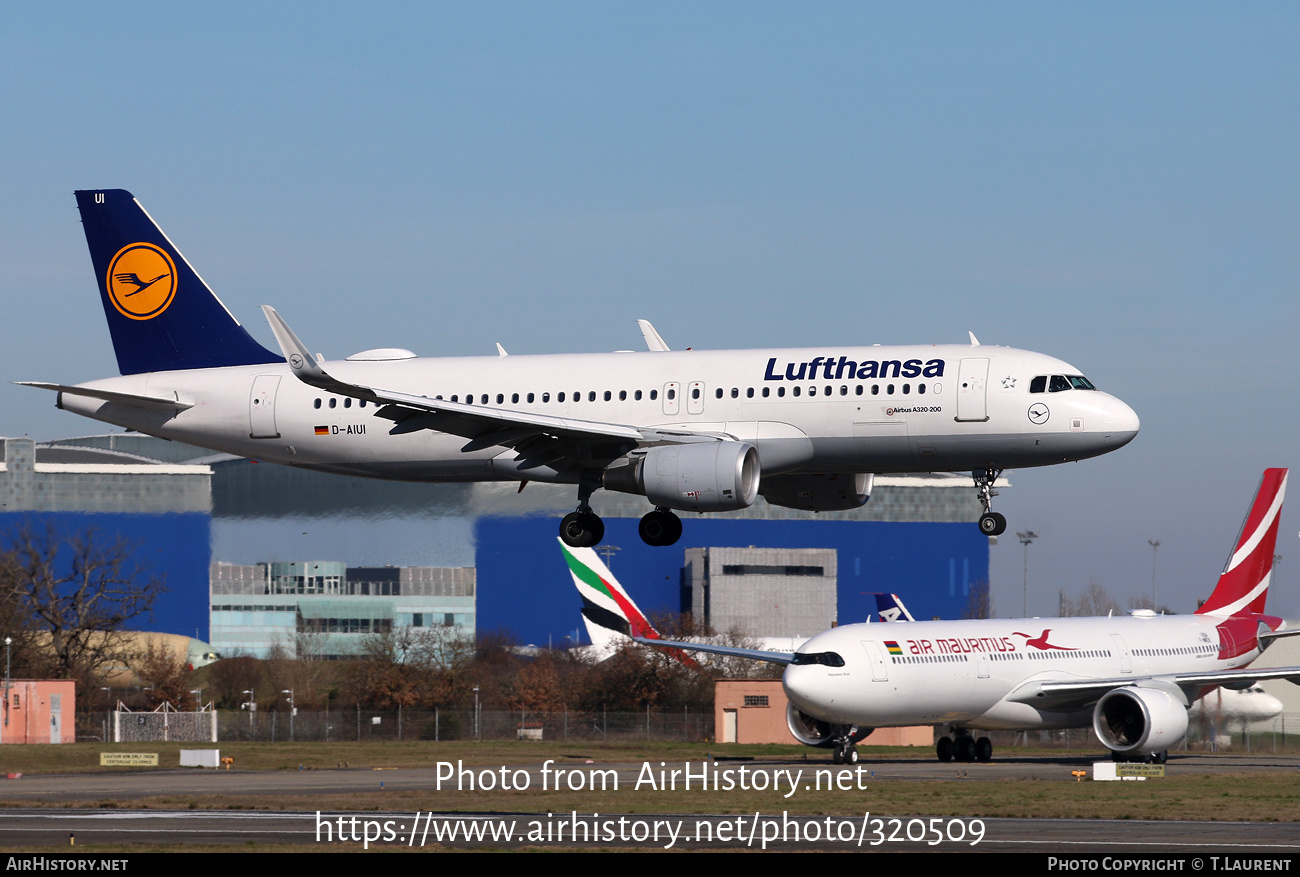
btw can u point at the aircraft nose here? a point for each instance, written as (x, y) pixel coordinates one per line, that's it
(803, 687)
(1119, 422)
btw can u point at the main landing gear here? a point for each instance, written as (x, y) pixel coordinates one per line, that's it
(964, 748)
(660, 527)
(583, 528)
(991, 523)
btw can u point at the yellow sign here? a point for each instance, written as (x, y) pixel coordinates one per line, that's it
(141, 281)
(128, 759)
(1140, 770)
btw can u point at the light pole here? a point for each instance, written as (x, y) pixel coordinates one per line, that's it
(252, 705)
(293, 710)
(1025, 538)
(1155, 595)
(8, 641)
(477, 729)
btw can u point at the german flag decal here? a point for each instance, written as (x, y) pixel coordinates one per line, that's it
(322, 430)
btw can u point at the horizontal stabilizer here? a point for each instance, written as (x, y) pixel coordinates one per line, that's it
(112, 396)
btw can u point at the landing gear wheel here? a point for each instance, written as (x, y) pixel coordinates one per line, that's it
(851, 755)
(991, 523)
(582, 529)
(984, 749)
(944, 748)
(1161, 757)
(965, 749)
(838, 756)
(660, 528)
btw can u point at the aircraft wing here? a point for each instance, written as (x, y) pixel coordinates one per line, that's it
(482, 425)
(752, 654)
(1057, 694)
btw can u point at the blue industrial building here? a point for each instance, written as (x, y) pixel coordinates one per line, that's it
(525, 587)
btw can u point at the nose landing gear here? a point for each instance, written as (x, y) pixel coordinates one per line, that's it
(991, 523)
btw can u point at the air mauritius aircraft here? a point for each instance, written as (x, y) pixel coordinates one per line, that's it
(697, 431)
(1131, 678)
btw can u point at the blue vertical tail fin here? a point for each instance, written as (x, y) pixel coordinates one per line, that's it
(161, 314)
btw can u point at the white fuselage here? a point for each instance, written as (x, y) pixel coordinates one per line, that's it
(872, 409)
(983, 673)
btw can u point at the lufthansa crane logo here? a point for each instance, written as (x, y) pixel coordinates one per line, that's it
(1038, 413)
(141, 281)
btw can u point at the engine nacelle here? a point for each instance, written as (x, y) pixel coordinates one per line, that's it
(693, 477)
(815, 732)
(836, 492)
(807, 730)
(1139, 720)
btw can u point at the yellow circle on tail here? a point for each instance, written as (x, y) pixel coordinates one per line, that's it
(141, 281)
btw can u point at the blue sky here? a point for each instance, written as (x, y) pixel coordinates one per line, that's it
(1114, 184)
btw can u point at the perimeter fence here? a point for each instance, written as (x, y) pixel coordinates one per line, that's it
(361, 725)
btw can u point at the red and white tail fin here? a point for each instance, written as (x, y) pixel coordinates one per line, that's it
(1243, 586)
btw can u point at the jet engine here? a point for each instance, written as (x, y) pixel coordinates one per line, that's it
(1139, 720)
(835, 492)
(822, 735)
(694, 477)
(807, 730)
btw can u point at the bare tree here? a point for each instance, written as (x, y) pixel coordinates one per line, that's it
(1092, 602)
(980, 602)
(168, 677)
(75, 595)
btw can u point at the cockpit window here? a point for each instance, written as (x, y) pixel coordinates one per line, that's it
(1060, 382)
(829, 659)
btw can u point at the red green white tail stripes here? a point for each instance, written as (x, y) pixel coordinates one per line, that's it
(608, 610)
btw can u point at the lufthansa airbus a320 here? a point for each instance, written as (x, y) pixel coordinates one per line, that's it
(694, 430)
